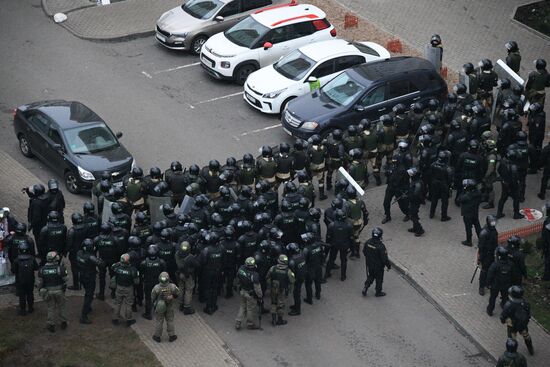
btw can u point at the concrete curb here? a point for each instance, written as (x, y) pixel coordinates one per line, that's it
(121, 38)
(50, 13)
(526, 27)
(402, 270)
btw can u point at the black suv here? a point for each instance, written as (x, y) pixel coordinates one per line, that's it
(364, 91)
(73, 140)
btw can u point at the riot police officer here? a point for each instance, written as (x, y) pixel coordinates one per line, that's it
(351, 140)
(266, 166)
(511, 125)
(285, 165)
(522, 150)
(545, 163)
(230, 173)
(537, 82)
(248, 241)
(427, 154)
(56, 199)
(369, 146)
(287, 222)
(469, 201)
(448, 110)
(88, 264)
(166, 252)
(356, 167)
(510, 181)
(187, 264)
(468, 166)
(492, 160)
(335, 154)
(163, 295)
(398, 185)
(511, 357)
(136, 189)
(302, 215)
(536, 122)
(23, 266)
(270, 196)
(192, 177)
(516, 314)
(317, 152)
(14, 241)
(53, 237)
(153, 179)
(231, 254)
(440, 182)
(499, 278)
(416, 197)
(488, 242)
(517, 258)
(340, 238)
(313, 224)
(119, 218)
(480, 123)
(386, 140)
(416, 115)
(91, 220)
(297, 264)
(250, 293)
(313, 255)
(376, 258)
(126, 277)
(305, 185)
(75, 236)
(487, 79)
(280, 280)
(211, 176)
(300, 156)
(473, 81)
(513, 59)
(107, 252)
(211, 260)
(150, 269)
(52, 282)
(359, 217)
(247, 171)
(142, 228)
(223, 205)
(137, 254)
(456, 142)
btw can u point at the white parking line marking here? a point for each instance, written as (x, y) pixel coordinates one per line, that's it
(147, 74)
(176, 68)
(237, 137)
(218, 98)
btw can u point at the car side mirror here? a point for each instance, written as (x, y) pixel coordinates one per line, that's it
(268, 45)
(359, 108)
(219, 18)
(312, 79)
(119, 135)
(59, 148)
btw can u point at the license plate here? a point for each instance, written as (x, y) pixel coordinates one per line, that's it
(287, 131)
(161, 38)
(250, 98)
(117, 184)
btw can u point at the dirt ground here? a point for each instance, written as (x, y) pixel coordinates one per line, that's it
(366, 31)
(537, 291)
(26, 342)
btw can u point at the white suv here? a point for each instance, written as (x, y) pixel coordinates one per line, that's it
(272, 87)
(262, 38)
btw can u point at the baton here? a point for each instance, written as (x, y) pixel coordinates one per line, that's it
(474, 275)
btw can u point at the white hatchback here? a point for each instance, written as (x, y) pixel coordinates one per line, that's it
(262, 38)
(272, 87)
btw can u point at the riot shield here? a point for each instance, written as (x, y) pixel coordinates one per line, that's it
(496, 98)
(155, 204)
(464, 79)
(504, 71)
(107, 213)
(433, 55)
(186, 204)
(345, 174)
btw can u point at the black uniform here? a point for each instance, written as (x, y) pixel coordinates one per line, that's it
(52, 237)
(92, 222)
(37, 215)
(469, 165)
(488, 242)
(211, 260)
(469, 209)
(340, 238)
(107, 251)
(297, 263)
(12, 243)
(441, 180)
(88, 264)
(518, 262)
(376, 258)
(248, 244)
(56, 202)
(510, 182)
(516, 313)
(313, 254)
(167, 250)
(499, 278)
(23, 267)
(150, 269)
(75, 236)
(416, 198)
(231, 259)
(398, 184)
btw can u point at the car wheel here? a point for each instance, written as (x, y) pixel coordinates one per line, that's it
(243, 72)
(323, 134)
(197, 43)
(285, 102)
(71, 183)
(25, 147)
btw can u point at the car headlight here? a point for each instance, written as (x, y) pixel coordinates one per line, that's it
(85, 175)
(310, 125)
(180, 35)
(274, 94)
(225, 64)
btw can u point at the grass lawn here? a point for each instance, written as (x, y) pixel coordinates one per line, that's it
(26, 342)
(537, 291)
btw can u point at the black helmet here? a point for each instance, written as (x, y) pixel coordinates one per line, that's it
(88, 207)
(468, 183)
(259, 205)
(517, 90)
(365, 124)
(24, 248)
(118, 192)
(155, 173)
(315, 213)
(77, 218)
(38, 189)
(491, 221)
(515, 292)
(377, 232)
(307, 237)
(229, 232)
(435, 40)
(337, 203)
(540, 64)
(425, 140)
(459, 89)
(53, 185)
(511, 154)
(224, 192)
(398, 109)
(315, 139)
(214, 165)
(176, 166)
(116, 208)
(468, 68)
(275, 233)
(105, 228)
(337, 134)
(244, 226)
(502, 253)
(510, 114)
(284, 148)
(303, 203)
(246, 191)
(194, 170)
(216, 220)
(511, 46)
(403, 146)
(486, 64)
(417, 108)
(340, 214)
(504, 83)
(88, 245)
(352, 130)
(141, 218)
(351, 193)
(511, 345)
(451, 97)
(292, 248)
(290, 187)
(413, 172)
(167, 209)
(152, 251)
(267, 152)
(286, 206)
(386, 120)
(356, 153)
(455, 125)
(264, 246)
(191, 227)
(136, 172)
(433, 104)
(105, 175)
(157, 228)
(104, 186)
(134, 242)
(212, 238)
(428, 129)
(442, 156)
(231, 162)
(248, 159)
(53, 216)
(300, 144)
(235, 208)
(165, 234)
(514, 242)
(201, 200)
(341, 185)
(182, 219)
(521, 136)
(473, 145)
(20, 228)
(478, 110)
(535, 107)
(302, 176)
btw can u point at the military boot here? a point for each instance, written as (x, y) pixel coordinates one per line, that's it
(85, 320)
(529, 345)
(322, 195)
(188, 310)
(295, 311)
(280, 321)
(273, 319)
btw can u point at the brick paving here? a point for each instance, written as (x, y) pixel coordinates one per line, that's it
(52, 7)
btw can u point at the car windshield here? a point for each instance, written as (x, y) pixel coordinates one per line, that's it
(294, 65)
(342, 90)
(90, 139)
(246, 33)
(201, 9)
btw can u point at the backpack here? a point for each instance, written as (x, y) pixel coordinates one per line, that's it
(25, 272)
(522, 315)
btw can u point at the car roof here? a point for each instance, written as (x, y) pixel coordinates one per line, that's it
(388, 67)
(286, 14)
(320, 50)
(67, 114)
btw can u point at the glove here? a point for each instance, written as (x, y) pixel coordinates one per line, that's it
(389, 266)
